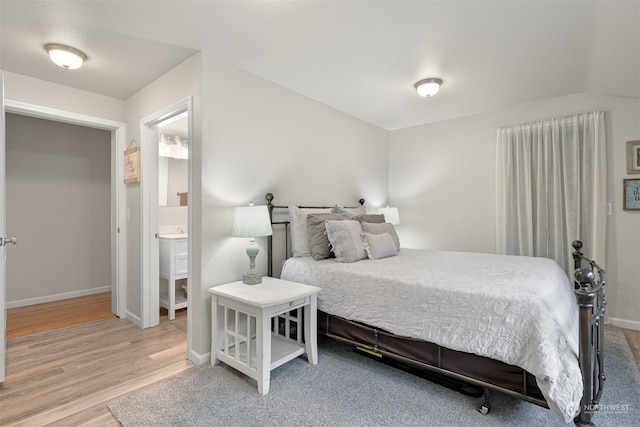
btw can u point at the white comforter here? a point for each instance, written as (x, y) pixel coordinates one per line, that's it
(519, 310)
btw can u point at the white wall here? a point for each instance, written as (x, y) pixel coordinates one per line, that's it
(251, 137)
(59, 206)
(442, 177)
(45, 94)
(259, 137)
(173, 178)
(172, 218)
(176, 85)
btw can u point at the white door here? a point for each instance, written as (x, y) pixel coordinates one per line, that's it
(4, 241)
(3, 270)
(150, 136)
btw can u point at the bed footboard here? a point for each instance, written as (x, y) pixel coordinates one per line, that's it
(589, 292)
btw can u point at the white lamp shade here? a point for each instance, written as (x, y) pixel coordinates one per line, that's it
(391, 215)
(251, 221)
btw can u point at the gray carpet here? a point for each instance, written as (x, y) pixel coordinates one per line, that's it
(347, 389)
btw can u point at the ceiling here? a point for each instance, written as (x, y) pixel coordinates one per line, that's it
(360, 57)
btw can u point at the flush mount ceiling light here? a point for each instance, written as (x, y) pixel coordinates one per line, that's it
(428, 87)
(65, 56)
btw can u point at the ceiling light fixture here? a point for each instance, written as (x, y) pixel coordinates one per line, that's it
(428, 87)
(173, 146)
(65, 56)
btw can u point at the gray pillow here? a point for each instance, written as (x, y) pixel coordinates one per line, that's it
(298, 228)
(375, 218)
(349, 212)
(346, 240)
(317, 232)
(379, 245)
(380, 228)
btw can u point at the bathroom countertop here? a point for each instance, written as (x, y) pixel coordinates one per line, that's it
(174, 236)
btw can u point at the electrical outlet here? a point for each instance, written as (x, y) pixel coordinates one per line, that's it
(609, 209)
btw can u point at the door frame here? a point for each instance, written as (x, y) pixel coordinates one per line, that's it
(149, 256)
(118, 202)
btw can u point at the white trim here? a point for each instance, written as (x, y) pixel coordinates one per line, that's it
(40, 112)
(57, 297)
(118, 201)
(624, 323)
(199, 359)
(136, 320)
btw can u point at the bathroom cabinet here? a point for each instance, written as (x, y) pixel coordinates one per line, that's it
(174, 260)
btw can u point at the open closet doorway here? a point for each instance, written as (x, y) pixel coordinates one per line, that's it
(65, 164)
(166, 184)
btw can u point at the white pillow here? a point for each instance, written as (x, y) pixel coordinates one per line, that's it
(298, 227)
(379, 245)
(346, 241)
(383, 227)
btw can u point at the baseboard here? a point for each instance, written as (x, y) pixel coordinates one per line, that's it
(199, 359)
(136, 320)
(624, 323)
(57, 297)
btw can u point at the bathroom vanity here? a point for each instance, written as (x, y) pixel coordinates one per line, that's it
(174, 260)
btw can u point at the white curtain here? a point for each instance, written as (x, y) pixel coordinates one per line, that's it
(551, 188)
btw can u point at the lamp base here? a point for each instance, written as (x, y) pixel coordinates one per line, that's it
(251, 278)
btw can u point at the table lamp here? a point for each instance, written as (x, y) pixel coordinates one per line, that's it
(391, 215)
(251, 221)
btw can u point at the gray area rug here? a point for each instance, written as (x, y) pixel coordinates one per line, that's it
(348, 389)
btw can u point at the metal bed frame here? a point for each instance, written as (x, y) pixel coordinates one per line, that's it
(589, 292)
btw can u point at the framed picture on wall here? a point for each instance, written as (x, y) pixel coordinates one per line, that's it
(633, 157)
(132, 165)
(631, 194)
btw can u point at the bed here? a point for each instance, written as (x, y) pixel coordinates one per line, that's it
(507, 323)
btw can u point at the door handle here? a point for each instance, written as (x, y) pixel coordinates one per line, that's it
(6, 240)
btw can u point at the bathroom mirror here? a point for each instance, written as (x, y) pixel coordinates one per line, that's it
(173, 178)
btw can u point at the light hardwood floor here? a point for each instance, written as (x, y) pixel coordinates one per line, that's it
(67, 377)
(36, 318)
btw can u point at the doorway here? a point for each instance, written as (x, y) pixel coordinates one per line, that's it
(166, 120)
(58, 183)
(116, 233)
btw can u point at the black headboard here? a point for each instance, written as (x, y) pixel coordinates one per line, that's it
(271, 207)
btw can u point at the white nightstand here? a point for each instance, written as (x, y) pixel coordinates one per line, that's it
(256, 328)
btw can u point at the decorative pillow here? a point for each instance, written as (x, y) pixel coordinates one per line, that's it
(379, 245)
(373, 218)
(348, 212)
(345, 240)
(379, 228)
(317, 232)
(298, 227)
